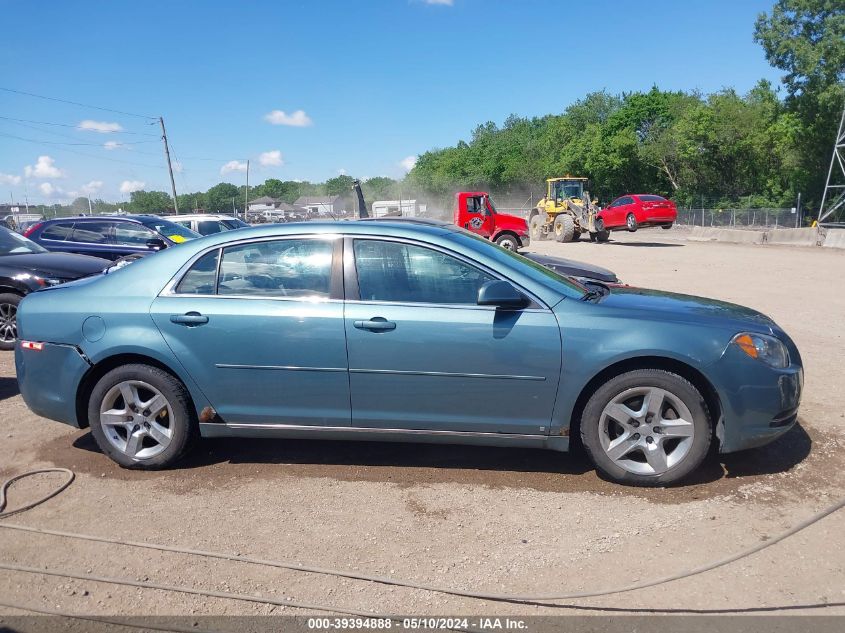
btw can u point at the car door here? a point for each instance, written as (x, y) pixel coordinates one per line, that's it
(259, 326)
(423, 355)
(93, 238)
(479, 216)
(129, 238)
(626, 206)
(54, 237)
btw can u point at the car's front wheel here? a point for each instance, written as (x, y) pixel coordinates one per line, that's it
(9, 320)
(631, 222)
(141, 417)
(646, 427)
(508, 241)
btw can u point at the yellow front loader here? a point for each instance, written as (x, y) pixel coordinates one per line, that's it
(565, 212)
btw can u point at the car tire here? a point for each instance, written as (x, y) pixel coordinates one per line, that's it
(664, 435)
(508, 242)
(535, 227)
(667, 226)
(9, 320)
(600, 236)
(564, 227)
(631, 222)
(135, 437)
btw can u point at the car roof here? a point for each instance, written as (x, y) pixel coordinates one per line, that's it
(104, 218)
(199, 216)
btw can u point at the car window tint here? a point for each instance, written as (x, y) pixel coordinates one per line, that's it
(60, 231)
(652, 198)
(202, 276)
(627, 200)
(207, 227)
(392, 271)
(132, 234)
(283, 268)
(92, 232)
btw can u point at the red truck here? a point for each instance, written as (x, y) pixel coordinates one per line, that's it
(475, 211)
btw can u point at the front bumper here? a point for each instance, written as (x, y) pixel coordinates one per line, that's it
(759, 403)
(48, 380)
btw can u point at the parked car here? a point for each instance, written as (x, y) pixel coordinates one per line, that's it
(111, 237)
(25, 267)
(634, 211)
(475, 212)
(208, 223)
(399, 331)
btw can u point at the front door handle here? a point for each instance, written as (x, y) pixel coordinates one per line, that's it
(190, 319)
(376, 324)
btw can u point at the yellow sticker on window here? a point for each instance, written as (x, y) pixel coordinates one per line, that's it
(176, 238)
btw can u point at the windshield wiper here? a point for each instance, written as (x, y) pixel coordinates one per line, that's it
(595, 290)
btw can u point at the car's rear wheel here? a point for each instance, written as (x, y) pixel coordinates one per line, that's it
(600, 236)
(564, 227)
(631, 222)
(9, 320)
(646, 427)
(667, 226)
(141, 417)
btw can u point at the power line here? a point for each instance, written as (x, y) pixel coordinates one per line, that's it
(21, 138)
(70, 125)
(76, 103)
(72, 151)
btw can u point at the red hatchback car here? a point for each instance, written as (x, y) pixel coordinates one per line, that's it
(638, 210)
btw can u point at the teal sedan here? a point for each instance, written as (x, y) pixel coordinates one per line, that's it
(399, 331)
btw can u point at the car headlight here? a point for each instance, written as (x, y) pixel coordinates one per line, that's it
(764, 348)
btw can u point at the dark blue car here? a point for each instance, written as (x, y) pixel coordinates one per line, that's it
(405, 332)
(109, 237)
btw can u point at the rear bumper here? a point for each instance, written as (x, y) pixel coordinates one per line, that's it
(49, 379)
(759, 403)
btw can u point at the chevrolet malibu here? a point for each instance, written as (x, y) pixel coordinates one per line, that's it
(398, 331)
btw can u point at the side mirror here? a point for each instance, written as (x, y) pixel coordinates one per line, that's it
(156, 243)
(502, 295)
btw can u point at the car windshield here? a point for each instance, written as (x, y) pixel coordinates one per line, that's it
(538, 272)
(172, 231)
(234, 223)
(12, 243)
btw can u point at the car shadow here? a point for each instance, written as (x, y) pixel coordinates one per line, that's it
(8, 387)
(411, 464)
(645, 244)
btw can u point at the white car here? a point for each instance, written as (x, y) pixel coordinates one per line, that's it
(208, 223)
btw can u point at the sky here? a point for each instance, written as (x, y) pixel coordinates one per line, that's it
(307, 90)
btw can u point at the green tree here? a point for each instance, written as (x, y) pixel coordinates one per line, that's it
(339, 186)
(152, 202)
(219, 198)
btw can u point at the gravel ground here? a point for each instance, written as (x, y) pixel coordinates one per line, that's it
(478, 518)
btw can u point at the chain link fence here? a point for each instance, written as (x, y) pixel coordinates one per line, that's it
(740, 218)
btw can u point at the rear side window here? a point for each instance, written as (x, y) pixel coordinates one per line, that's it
(651, 198)
(201, 279)
(92, 232)
(60, 231)
(392, 271)
(282, 268)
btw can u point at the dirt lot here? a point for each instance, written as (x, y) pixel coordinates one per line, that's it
(480, 518)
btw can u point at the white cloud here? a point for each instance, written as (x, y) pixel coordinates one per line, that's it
(341, 171)
(294, 119)
(232, 165)
(9, 179)
(272, 158)
(110, 145)
(91, 188)
(445, 3)
(408, 163)
(103, 127)
(128, 186)
(49, 190)
(44, 168)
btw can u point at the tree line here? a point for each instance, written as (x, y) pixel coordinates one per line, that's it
(758, 149)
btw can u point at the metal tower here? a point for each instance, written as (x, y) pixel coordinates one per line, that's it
(834, 189)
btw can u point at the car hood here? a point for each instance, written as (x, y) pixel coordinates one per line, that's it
(572, 268)
(679, 307)
(511, 222)
(61, 265)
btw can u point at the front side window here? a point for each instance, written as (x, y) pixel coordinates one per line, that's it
(207, 227)
(92, 232)
(392, 271)
(282, 268)
(132, 234)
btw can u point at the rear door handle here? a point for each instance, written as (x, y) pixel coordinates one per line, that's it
(376, 324)
(189, 319)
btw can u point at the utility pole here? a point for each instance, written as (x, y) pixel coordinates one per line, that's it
(834, 189)
(246, 193)
(169, 165)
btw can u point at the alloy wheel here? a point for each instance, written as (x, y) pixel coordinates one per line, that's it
(8, 322)
(136, 419)
(646, 430)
